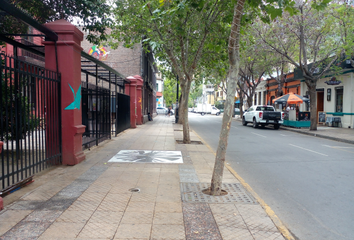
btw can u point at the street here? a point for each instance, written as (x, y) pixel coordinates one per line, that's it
(307, 181)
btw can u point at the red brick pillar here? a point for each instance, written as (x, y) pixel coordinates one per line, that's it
(69, 64)
(130, 89)
(139, 87)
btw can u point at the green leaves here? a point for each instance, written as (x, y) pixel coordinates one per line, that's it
(320, 5)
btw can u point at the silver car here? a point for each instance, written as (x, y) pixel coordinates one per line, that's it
(161, 110)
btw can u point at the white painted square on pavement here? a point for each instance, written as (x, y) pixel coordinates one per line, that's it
(148, 156)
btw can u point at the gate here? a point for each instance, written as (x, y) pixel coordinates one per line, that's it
(105, 109)
(95, 114)
(121, 114)
(29, 121)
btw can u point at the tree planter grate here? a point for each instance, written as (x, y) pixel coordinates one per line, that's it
(192, 192)
(192, 142)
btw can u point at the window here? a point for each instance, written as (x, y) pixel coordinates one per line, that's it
(339, 99)
(265, 109)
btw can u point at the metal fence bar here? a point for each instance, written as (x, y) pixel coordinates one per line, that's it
(29, 118)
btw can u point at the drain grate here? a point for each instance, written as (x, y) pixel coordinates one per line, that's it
(192, 192)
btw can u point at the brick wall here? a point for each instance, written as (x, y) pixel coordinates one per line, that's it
(124, 60)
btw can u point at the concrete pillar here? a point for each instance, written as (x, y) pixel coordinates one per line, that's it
(69, 64)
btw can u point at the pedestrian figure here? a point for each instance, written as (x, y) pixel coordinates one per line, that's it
(169, 111)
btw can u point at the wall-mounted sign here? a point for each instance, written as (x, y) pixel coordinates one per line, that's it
(329, 94)
(333, 81)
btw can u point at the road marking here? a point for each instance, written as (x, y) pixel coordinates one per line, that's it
(283, 135)
(336, 146)
(258, 134)
(278, 223)
(309, 150)
(344, 149)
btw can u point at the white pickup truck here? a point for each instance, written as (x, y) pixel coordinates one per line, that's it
(263, 115)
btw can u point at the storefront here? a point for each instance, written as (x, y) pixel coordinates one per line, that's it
(335, 99)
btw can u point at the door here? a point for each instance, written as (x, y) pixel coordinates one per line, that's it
(320, 102)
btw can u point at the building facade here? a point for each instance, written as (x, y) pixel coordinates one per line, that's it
(130, 62)
(159, 91)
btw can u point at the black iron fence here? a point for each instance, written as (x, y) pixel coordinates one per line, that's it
(29, 121)
(95, 114)
(104, 113)
(121, 112)
(105, 109)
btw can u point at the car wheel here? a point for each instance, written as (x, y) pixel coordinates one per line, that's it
(244, 123)
(255, 124)
(276, 126)
(202, 114)
(217, 114)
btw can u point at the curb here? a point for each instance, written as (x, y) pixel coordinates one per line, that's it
(313, 134)
(318, 135)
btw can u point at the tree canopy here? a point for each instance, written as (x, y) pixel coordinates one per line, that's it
(313, 40)
(92, 15)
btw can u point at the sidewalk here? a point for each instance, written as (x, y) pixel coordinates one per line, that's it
(97, 199)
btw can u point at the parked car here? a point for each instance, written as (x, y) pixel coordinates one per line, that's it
(161, 110)
(237, 111)
(263, 115)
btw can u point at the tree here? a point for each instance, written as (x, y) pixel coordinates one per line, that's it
(254, 63)
(196, 92)
(234, 61)
(177, 31)
(92, 15)
(318, 45)
(341, 14)
(169, 91)
(234, 64)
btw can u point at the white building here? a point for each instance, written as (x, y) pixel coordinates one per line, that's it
(335, 97)
(159, 90)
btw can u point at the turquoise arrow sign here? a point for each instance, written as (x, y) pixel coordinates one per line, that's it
(77, 99)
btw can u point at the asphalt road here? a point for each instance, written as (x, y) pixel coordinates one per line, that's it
(307, 181)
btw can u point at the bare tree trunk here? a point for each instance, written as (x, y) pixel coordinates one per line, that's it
(184, 110)
(180, 114)
(313, 106)
(234, 59)
(249, 101)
